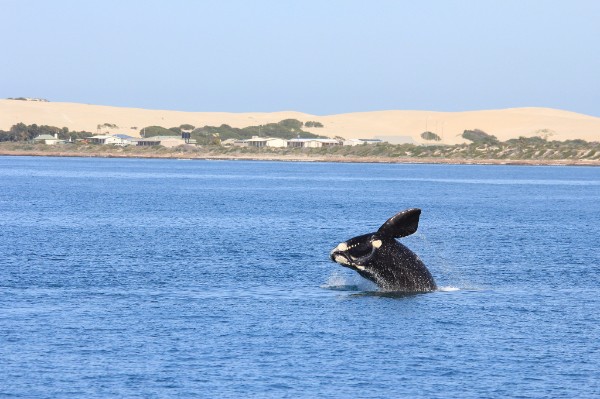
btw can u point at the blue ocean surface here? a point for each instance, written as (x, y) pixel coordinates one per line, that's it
(177, 279)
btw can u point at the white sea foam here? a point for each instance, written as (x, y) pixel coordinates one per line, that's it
(448, 289)
(342, 282)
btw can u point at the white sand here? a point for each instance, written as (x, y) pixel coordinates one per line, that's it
(394, 126)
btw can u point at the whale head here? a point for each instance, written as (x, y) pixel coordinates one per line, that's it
(380, 258)
(358, 252)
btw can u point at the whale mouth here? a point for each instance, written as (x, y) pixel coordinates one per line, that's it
(341, 258)
(346, 260)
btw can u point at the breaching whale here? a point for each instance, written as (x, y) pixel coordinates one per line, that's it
(380, 258)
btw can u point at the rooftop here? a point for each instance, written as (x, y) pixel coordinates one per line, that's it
(101, 136)
(45, 137)
(318, 140)
(159, 138)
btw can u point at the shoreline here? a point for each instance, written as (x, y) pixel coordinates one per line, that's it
(307, 158)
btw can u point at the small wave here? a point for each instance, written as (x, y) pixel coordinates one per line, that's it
(341, 287)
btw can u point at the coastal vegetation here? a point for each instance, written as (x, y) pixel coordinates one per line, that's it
(522, 149)
(23, 132)
(430, 136)
(479, 136)
(152, 131)
(285, 129)
(313, 124)
(483, 147)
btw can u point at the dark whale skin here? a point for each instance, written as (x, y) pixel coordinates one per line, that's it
(380, 258)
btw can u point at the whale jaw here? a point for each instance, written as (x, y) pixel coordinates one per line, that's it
(341, 258)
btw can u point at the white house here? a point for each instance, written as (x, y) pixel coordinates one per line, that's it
(126, 140)
(48, 139)
(105, 139)
(312, 143)
(256, 141)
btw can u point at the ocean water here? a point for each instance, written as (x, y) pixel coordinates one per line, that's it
(174, 279)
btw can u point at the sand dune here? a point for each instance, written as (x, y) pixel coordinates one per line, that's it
(393, 126)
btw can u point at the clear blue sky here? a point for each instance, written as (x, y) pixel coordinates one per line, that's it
(321, 57)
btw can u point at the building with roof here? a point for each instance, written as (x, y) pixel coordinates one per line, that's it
(312, 143)
(126, 139)
(165, 141)
(256, 141)
(104, 139)
(48, 139)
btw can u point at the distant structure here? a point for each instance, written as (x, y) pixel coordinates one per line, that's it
(274, 142)
(165, 141)
(186, 135)
(313, 143)
(353, 142)
(114, 139)
(48, 139)
(259, 142)
(185, 139)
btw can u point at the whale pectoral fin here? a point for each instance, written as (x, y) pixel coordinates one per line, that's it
(401, 224)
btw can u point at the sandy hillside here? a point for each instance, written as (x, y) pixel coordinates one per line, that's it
(393, 126)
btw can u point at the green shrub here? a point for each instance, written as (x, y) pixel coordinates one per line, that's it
(479, 136)
(152, 131)
(430, 136)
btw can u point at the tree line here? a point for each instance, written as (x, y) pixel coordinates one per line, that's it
(285, 129)
(23, 132)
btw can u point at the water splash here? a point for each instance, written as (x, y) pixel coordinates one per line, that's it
(441, 267)
(443, 270)
(341, 282)
(448, 289)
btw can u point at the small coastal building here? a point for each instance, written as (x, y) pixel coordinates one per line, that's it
(126, 140)
(48, 139)
(148, 142)
(112, 139)
(165, 141)
(256, 141)
(312, 143)
(104, 139)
